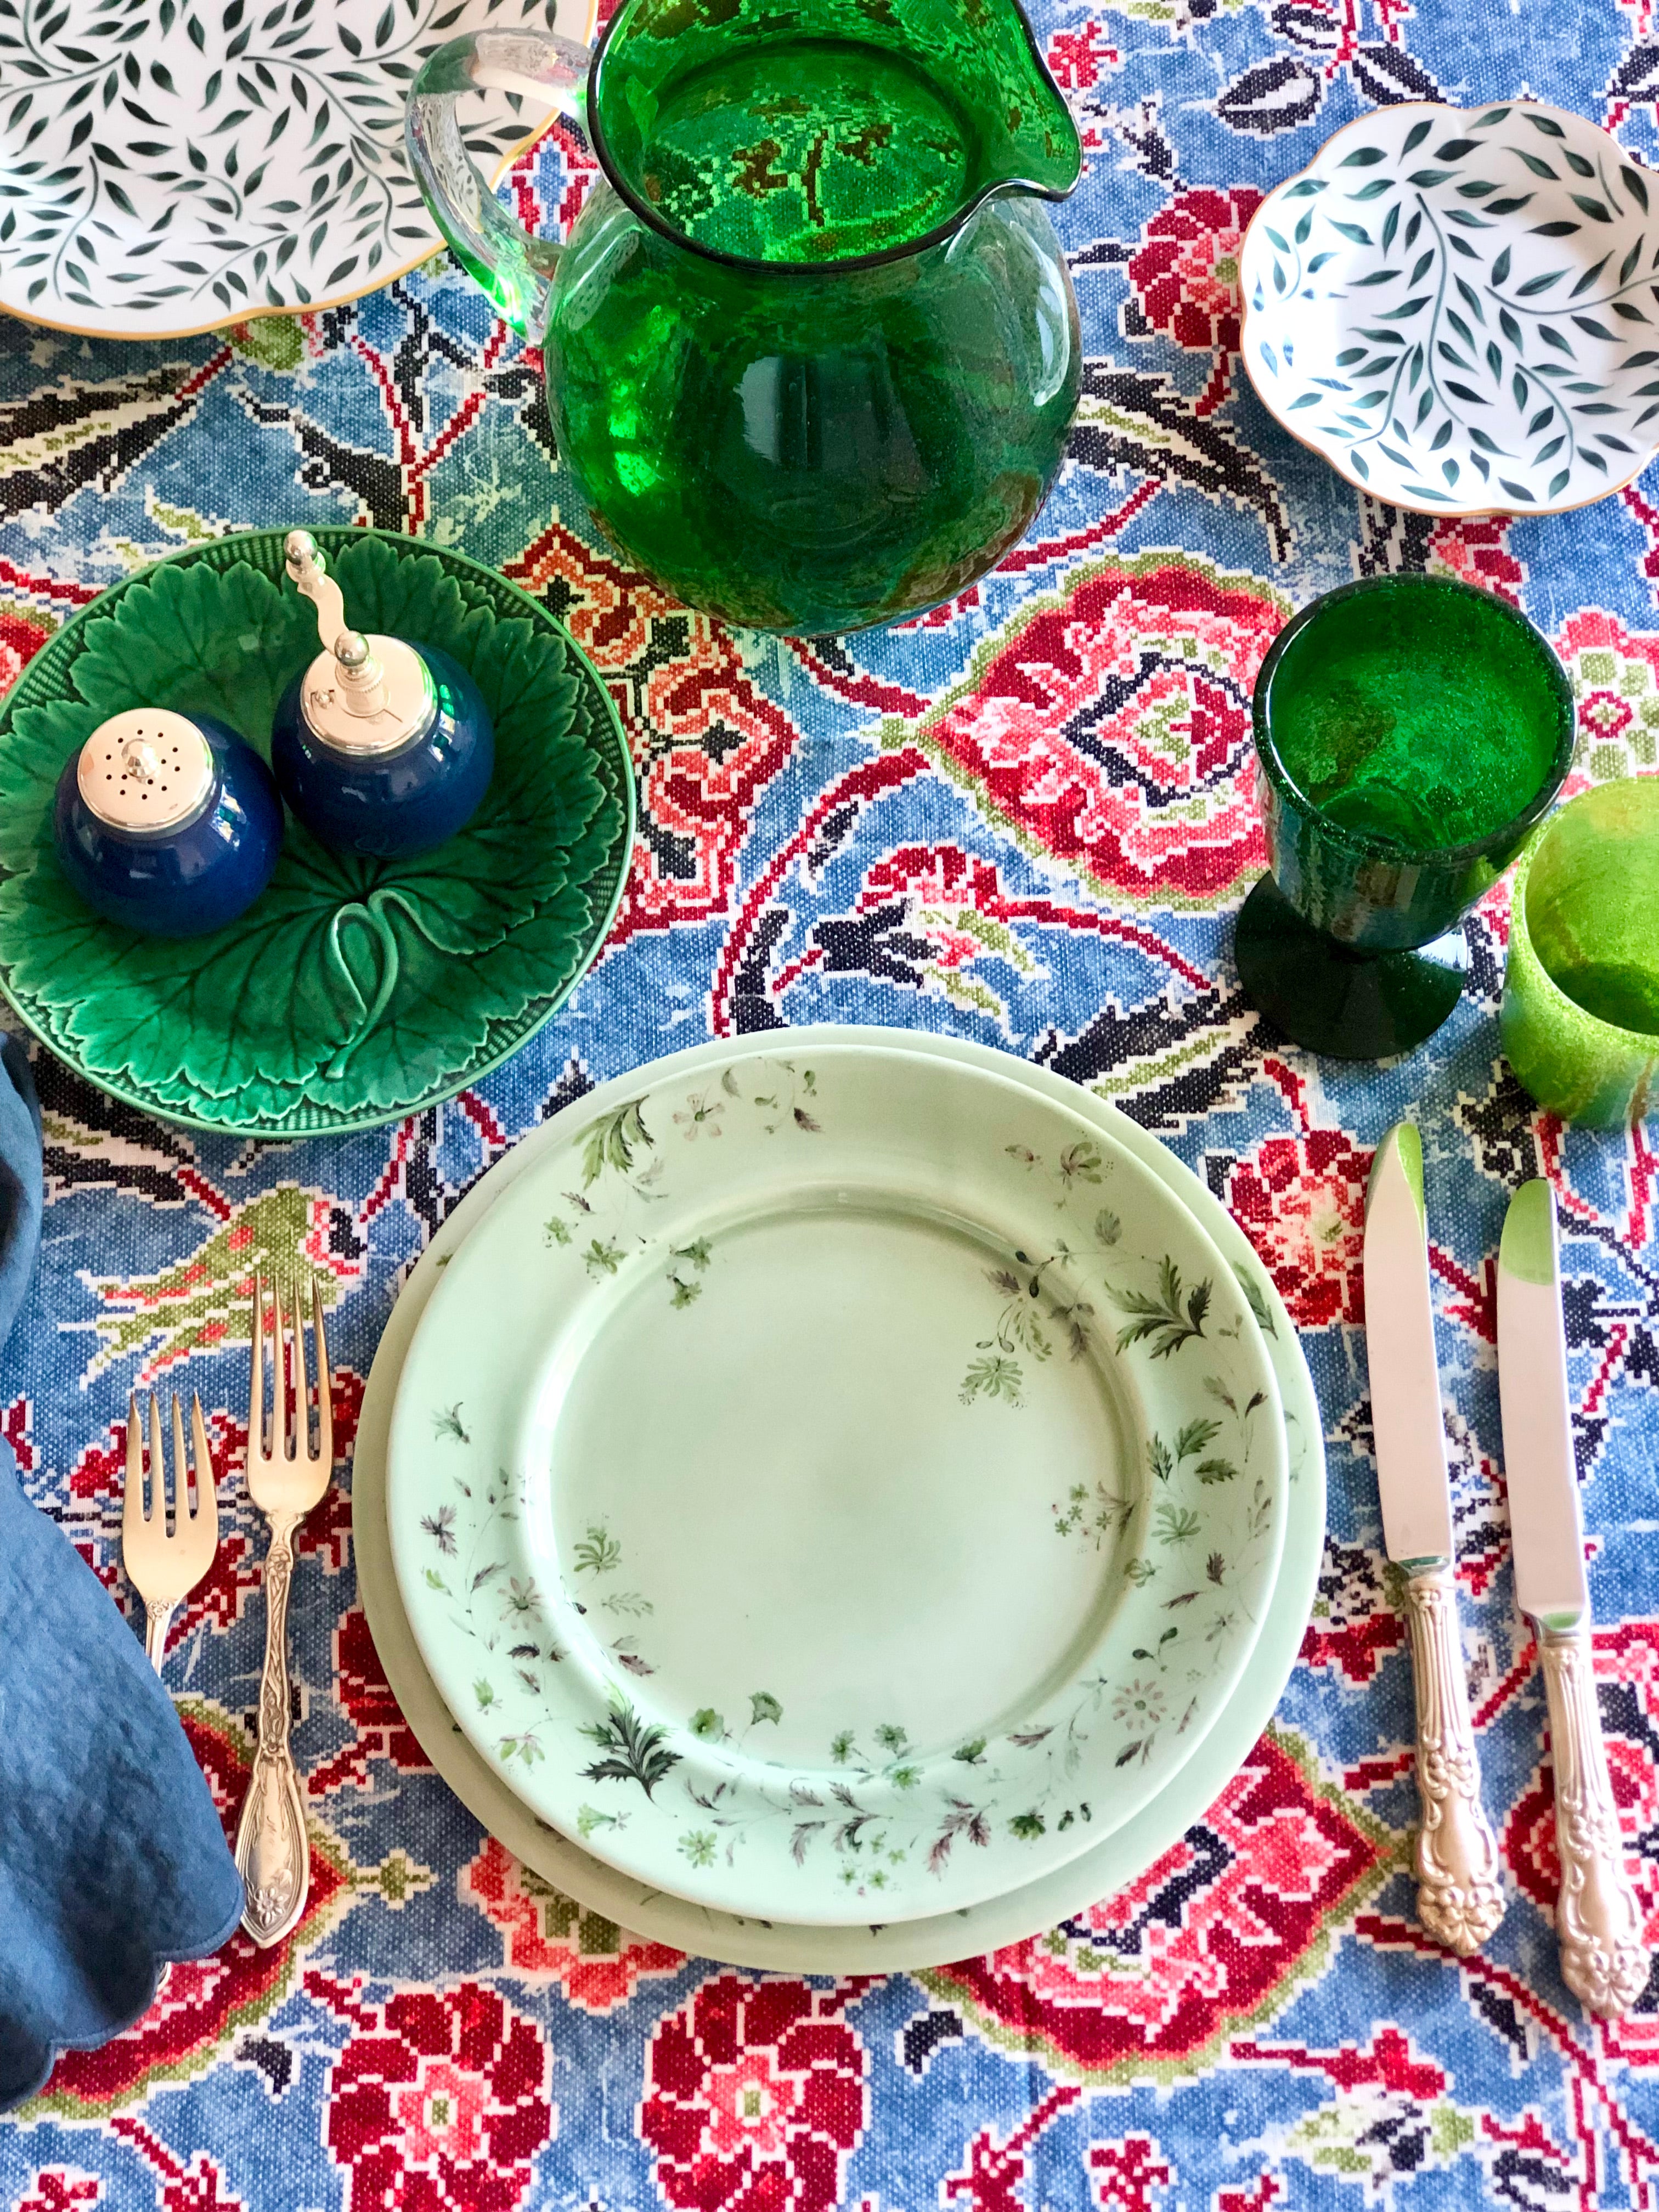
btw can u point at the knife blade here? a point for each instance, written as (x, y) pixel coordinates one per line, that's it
(1411, 1441)
(1544, 1525)
(1604, 1961)
(1458, 1901)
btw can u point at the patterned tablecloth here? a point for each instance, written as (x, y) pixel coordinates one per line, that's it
(1027, 819)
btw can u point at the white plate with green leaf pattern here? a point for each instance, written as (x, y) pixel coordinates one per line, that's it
(170, 166)
(836, 1489)
(1460, 309)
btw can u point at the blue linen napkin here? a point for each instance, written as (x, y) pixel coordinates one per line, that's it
(112, 1859)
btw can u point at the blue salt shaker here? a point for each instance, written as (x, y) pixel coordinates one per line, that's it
(381, 746)
(167, 822)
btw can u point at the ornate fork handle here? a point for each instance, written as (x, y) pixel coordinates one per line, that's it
(1598, 1921)
(1458, 1899)
(158, 1618)
(273, 1854)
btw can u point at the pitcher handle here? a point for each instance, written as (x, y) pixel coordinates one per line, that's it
(514, 269)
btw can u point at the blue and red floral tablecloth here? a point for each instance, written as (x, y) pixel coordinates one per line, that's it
(1027, 819)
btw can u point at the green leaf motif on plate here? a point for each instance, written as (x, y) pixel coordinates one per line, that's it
(994, 1375)
(634, 1750)
(353, 989)
(1161, 1320)
(598, 1552)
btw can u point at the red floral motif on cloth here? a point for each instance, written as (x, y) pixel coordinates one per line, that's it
(1108, 727)
(437, 2103)
(196, 2187)
(367, 1701)
(1301, 1201)
(551, 1938)
(1079, 59)
(202, 2003)
(1615, 681)
(1475, 549)
(1219, 1933)
(991, 2170)
(19, 640)
(705, 740)
(755, 2093)
(1129, 2176)
(58, 2190)
(1186, 275)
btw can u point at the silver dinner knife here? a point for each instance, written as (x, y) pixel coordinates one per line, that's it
(1604, 1961)
(1458, 1898)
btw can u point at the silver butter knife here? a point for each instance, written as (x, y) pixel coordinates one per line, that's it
(1604, 1961)
(1458, 1898)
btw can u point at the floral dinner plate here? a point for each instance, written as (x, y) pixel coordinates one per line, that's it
(837, 1489)
(1460, 309)
(556, 1870)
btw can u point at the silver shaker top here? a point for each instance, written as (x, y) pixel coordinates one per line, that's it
(146, 772)
(362, 695)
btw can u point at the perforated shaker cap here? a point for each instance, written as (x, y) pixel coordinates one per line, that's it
(146, 770)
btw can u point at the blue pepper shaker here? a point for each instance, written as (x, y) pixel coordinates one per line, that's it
(167, 822)
(381, 746)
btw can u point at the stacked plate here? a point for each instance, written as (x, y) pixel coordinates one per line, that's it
(839, 1501)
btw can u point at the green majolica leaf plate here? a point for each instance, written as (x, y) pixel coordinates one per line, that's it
(837, 1488)
(1460, 309)
(353, 991)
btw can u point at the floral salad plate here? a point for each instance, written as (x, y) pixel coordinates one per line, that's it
(837, 1489)
(169, 166)
(1459, 309)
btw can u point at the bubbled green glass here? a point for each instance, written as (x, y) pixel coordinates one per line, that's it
(1580, 989)
(811, 348)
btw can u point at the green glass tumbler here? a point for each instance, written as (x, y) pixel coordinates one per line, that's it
(1410, 731)
(1580, 992)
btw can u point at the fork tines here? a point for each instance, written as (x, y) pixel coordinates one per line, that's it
(163, 1562)
(144, 1503)
(290, 1424)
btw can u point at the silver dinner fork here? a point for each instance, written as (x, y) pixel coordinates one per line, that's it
(164, 1566)
(284, 1480)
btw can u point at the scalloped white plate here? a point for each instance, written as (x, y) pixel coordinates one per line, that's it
(1459, 309)
(167, 167)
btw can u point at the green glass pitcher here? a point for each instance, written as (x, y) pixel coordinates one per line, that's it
(812, 347)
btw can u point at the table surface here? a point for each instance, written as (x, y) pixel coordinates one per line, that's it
(1026, 819)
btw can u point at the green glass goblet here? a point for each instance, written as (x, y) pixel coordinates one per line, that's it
(1410, 731)
(1580, 992)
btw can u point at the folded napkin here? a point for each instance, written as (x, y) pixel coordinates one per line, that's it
(112, 1859)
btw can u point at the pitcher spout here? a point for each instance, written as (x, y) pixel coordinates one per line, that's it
(1030, 144)
(824, 133)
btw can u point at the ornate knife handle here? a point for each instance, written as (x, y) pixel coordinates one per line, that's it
(273, 1854)
(1458, 1898)
(1598, 1920)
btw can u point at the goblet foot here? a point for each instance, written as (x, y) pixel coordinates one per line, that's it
(1352, 1005)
